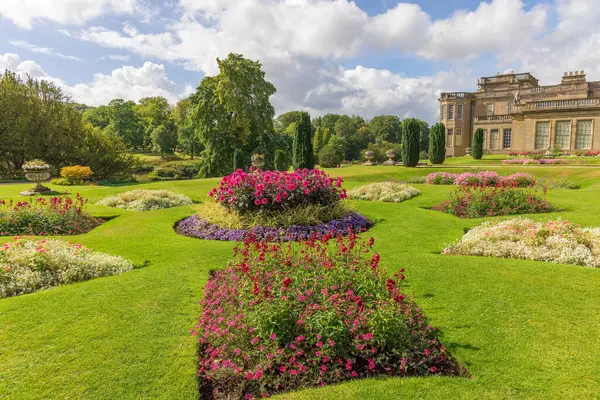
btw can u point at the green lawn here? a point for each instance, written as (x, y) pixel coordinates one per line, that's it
(524, 329)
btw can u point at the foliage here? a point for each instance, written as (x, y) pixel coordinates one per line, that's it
(99, 116)
(303, 153)
(175, 170)
(437, 144)
(282, 160)
(330, 157)
(309, 214)
(491, 201)
(198, 228)
(477, 149)
(231, 111)
(126, 123)
(281, 308)
(276, 190)
(389, 192)
(345, 126)
(76, 173)
(319, 140)
(164, 139)
(154, 112)
(424, 138)
(386, 128)
(283, 121)
(556, 241)
(410, 145)
(30, 265)
(46, 216)
(188, 140)
(145, 200)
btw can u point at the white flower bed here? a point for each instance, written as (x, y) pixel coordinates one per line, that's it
(556, 241)
(389, 192)
(28, 265)
(146, 200)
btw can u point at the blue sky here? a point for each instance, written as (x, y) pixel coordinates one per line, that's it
(367, 57)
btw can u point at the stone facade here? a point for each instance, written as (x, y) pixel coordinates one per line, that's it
(517, 114)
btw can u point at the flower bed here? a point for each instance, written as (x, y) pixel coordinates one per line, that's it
(481, 201)
(281, 318)
(556, 241)
(146, 200)
(30, 265)
(199, 228)
(390, 192)
(46, 216)
(483, 178)
(277, 190)
(526, 161)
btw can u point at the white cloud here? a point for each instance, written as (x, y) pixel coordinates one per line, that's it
(68, 12)
(42, 50)
(115, 57)
(127, 82)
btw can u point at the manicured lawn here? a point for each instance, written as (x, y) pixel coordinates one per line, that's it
(524, 329)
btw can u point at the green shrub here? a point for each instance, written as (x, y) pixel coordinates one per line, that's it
(282, 160)
(411, 131)
(477, 149)
(437, 144)
(175, 170)
(330, 157)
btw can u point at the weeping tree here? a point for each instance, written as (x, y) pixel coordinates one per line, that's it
(411, 132)
(437, 144)
(477, 150)
(302, 150)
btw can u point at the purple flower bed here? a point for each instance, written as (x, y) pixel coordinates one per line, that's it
(198, 228)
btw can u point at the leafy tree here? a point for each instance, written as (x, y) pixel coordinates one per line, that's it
(303, 154)
(318, 140)
(188, 140)
(124, 122)
(478, 144)
(164, 139)
(153, 112)
(283, 121)
(99, 117)
(339, 144)
(328, 121)
(290, 130)
(231, 111)
(410, 145)
(326, 135)
(330, 157)
(345, 126)
(386, 128)
(437, 144)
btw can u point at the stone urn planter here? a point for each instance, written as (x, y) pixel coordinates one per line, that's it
(369, 155)
(258, 160)
(390, 154)
(37, 171)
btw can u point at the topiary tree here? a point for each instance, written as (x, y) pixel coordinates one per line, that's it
(477, 149)
(318, 140)
(282, 161)
(411, 130)
(437, 144)
(303, 154)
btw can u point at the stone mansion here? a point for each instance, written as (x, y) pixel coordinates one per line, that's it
(517, 114)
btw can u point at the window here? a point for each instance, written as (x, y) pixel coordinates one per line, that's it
(450, 111)
(458, 137)
(443, 111)
(562, 139)
(459, 112)
(583, 137)
(485, 139)
(489, 109)
(449, 134)
(494, 139)
(542, 135)
(507, 138)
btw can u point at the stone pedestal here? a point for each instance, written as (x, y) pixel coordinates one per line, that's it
(37, 175)
(390, 155)
(369, 156)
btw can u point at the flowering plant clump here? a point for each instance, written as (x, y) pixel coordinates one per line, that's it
(556, 241)
(526, 161)
(76, 173)
(146, 200)
(199, 228)
(483, 178)
(46, 216)
(35, 165)
(283, 317)
(486, 201)
(390, 192)
(277, 190)
(30, 265)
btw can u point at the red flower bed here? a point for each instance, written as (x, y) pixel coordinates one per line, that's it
(276, 190)
(288, 316)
